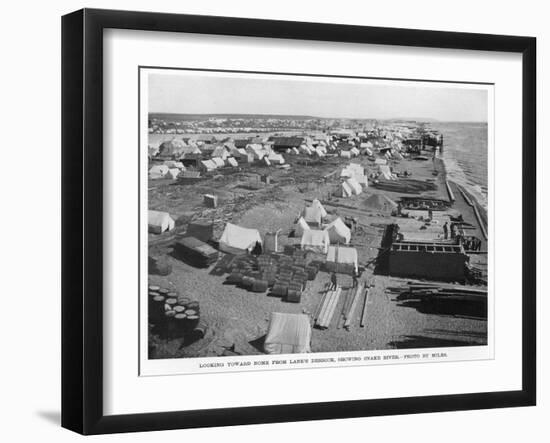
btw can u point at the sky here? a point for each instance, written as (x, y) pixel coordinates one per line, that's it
(189, 92)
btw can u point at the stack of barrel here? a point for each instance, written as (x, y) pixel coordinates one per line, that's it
(173, 314)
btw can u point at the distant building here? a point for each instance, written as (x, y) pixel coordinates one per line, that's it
(284, 143)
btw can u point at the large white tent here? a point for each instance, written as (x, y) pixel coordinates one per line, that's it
(159, 221)
(315, 240)
(342, 259)
(338, 232)
(354, 185)
(300, 227)
(238, 240)
(288, 334)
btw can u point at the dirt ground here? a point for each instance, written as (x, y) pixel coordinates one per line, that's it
(238, 319)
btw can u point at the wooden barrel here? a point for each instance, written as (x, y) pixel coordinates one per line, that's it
(156, 309)
(179, 309)
(153, 294)
(294, 296)
(235, 278)
(183, 300)
(194, 305)
(154, 288)
(259, 285)
(200, 329)
(169, 322)
(247, 281)
(279, 289)
(172, 302)
(171, 294)
(180, 325)
(164, 291)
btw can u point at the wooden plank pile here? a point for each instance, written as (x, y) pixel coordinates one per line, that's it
(327, 308)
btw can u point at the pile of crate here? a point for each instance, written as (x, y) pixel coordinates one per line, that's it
(286, 275)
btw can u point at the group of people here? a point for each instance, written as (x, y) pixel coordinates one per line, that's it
(471, 243)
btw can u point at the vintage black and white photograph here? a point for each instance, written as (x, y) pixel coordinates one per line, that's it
(308, 214)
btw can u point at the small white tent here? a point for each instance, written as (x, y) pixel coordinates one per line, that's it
(238, 240)
(172, 173)
(158, 171)
(338, 232)
(159, 222)
(317, 204)
(232, 162)
(313, 216)
(380, 161)
(208, 165)
(385, 172)
(345, 154)
(218, 161)
(315, 240)
(300, 227)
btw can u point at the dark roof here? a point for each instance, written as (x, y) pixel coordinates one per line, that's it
(292, 142)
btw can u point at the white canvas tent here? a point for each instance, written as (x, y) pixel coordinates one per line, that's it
(346, 190)
(232, 162)
(313, 216)
(380, 161)
(317, 204)
(354, 185)
(159, 221)
(345, 154)
(354, 152)
(342, 259)
(338, 232)
(218, 162)
(300, 227)
(288, 334)
(315, 240)
(158, 171)
(385, 172)
(208, 165)
(238, 240)
(276, 159)
(172, 173)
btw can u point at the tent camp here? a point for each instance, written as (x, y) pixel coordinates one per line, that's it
(338, 232)
(171, 148)
(288, 334)
(159, 222)
(342, 259)
(315, 240)
(158, 171)
(238, 240)
(317, 204)
(313, 216)
(300, 227)
(354, 185)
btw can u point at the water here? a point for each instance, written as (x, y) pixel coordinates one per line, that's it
(466, 156)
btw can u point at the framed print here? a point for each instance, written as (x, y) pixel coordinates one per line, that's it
(308, 221)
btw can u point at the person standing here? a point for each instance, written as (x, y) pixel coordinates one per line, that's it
(333, 282)
(354, 277)
(445, 231)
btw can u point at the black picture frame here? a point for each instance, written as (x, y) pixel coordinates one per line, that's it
(82, 218)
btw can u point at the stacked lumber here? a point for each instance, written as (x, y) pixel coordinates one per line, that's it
(328, 307)
(406, 186)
